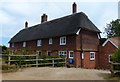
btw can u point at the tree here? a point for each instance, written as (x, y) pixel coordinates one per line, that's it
(113, 29)
(4, 48)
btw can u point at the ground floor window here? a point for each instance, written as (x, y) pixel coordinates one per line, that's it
(62, 53)
(92, 55)
(39, 53)
(71, 54)
(49, 53)
(110, 58)
(12, 52)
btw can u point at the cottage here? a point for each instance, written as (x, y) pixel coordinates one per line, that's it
(106, 51)
(74, 36)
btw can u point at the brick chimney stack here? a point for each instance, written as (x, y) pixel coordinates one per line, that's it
(26, 24)
(44, 18)
(74, 7)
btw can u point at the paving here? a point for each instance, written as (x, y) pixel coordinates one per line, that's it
(60, 73)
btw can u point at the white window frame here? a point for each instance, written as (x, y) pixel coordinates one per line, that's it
(60, 52)
(70, 55)
(82, 55)
(24, 44)
(109, 56)
(61, 40)
(39, 42)
(13, 45)
(90, 55)
(50, 40)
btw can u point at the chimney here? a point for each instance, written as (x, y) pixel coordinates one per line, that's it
(44, 18)
(26, 24)
(74, 8)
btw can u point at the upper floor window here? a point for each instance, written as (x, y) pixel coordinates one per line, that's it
(71, 54)
(24, 44)
(50, 40)
(39, 42)
(92, 55)
(62, 40)
(62, 53)
(12, 44)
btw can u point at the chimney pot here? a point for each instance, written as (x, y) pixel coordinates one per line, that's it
(74, 8)
(26, 24)
(44, 18)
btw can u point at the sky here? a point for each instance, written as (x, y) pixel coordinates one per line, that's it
(13, 13)
(119, 10)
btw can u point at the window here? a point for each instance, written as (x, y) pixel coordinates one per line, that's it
(62, 40)
(39, 53)
(49, 53)
(82, 56)
(12, 44)
(62, 53)
(71, 54)
(24, 44)
(12, 52)
(92, 55)
(39, 42)
(110, 58)
(50, 40)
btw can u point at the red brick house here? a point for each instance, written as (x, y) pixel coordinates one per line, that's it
(74, 36)
(106, 51)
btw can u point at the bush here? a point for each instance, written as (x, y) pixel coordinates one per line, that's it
(6, 68)
(116, 56)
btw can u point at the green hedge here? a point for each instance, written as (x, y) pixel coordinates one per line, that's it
(21, 58)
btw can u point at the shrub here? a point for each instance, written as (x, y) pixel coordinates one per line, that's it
(116, 56)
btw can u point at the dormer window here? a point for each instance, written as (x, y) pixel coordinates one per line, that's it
(39, 42)
(50, 40)
(24, 44)
(12, 44)
(62, 40)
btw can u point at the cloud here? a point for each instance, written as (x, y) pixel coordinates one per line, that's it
(14, 13)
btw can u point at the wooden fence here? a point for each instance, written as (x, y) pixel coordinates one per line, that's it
(52, 61)
(115, 67)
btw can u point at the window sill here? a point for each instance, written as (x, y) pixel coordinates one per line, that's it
(92, 59)
(62, 44)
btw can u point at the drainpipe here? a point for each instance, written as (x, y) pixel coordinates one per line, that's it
(81, 49)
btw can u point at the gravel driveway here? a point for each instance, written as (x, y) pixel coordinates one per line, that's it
(61, 73)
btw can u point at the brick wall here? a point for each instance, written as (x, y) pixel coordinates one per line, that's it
(104, 52)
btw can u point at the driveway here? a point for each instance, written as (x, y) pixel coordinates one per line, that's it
(61, 73)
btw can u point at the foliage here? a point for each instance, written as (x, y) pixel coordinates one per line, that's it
(4, 48)
(116, 59)
(116, 56)
(102, 40)
(20, 60)
(113, 29)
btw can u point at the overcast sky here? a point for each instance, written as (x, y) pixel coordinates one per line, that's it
(14, 13)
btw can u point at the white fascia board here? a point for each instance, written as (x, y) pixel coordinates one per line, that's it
(78, 31)
(109, 41)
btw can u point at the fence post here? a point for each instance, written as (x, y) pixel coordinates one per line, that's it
(36, 60)
(53, 62)
(9, 59)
